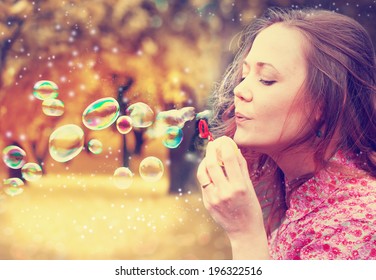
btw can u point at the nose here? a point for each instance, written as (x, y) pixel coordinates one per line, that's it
(243, 91)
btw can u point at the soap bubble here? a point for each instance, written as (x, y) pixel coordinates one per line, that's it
(141, 114)
(188, 113)
(45, 90)
(156, 131)
(124, 124)
(66, 142)
(206, 114)
(95, 146)
(171, 118)
(31, 171)
(123, 177)
(173, 137)
(53, 107)
(151, 169)
(14, 156)
(13, 186)
(101, 113)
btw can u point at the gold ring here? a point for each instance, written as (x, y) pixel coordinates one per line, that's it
(204, 186)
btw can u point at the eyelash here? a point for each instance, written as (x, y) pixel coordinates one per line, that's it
(264, 82)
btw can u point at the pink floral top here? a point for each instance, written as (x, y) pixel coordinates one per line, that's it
(329, 217)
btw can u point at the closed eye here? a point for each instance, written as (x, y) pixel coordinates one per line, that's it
(266, 82)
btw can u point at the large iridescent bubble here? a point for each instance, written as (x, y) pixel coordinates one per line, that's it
(151, 169)
(124, 124)
(45, 90)
(95, 146)
(66, 142)
(123, 177)
(173, 137)
(14, 156)
(31, 172)
(13, 186)
(141, 114)
(53, 107)
(101, 113)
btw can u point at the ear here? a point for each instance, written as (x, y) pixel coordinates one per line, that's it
(318, 113)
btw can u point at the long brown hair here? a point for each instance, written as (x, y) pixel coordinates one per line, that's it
(341, 81)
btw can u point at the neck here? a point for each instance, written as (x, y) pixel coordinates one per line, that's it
(295, 164)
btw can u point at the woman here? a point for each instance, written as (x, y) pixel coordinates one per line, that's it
(300, 102)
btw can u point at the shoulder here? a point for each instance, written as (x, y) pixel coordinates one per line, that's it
(353, 203)
(344, 225)
(356, 195)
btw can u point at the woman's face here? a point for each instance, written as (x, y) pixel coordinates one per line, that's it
(273, 74)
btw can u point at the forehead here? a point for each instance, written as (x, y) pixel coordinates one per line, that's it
(281, 46)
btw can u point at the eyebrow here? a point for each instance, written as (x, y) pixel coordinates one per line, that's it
(262, 64)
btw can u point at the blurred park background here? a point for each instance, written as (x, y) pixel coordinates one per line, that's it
(167, 54)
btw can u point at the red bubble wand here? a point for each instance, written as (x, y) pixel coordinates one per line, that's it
(203, 129)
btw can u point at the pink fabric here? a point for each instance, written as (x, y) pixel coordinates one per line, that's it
(329, 217)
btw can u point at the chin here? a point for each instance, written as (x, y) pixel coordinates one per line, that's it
(241, 140)
(245, 140)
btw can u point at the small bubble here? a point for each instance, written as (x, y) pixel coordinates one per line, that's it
(123, 178)
(14, 156)
(141, 114)
(173, 137)
(124, 124)
(151, 169)
(13, 186)
(95, 146)
(45, 89)
(31, 171)
(53, 107)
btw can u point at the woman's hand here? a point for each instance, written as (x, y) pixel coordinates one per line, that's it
(229, 196)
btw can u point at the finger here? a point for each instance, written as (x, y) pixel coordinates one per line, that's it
(207, 186)
(243, 164)
(244, 169)
(231, 164)
(202, 175)
(213, 168)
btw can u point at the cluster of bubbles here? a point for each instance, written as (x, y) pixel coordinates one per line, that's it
(67, 141)
(48, 92)
(14, 158)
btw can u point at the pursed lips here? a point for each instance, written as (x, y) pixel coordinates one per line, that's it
(240, 117)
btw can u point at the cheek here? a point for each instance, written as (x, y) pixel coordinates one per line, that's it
(272, 115)
(295, 125)
(274, 122)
